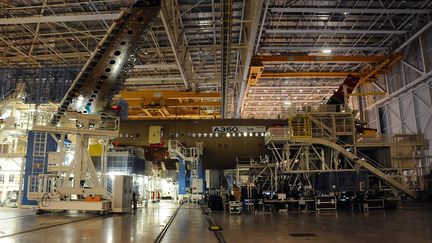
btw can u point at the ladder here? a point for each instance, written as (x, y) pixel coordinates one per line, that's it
(301, 126)
(39, 152)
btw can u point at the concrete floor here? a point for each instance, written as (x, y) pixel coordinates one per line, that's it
(411, 223)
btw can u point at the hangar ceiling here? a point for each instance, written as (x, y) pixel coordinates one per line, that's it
(304, 49)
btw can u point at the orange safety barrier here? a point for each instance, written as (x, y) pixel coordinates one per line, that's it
(93, 198)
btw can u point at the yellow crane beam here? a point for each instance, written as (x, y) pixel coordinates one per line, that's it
(380, 68)
(306, 74)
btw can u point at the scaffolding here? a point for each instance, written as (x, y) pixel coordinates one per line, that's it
(321, 142)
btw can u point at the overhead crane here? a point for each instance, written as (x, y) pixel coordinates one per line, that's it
(169, 104)
(381, 68)
(257, 68)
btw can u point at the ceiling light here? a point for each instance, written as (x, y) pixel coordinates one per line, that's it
(346, 13)
(327, 51)
(318, 90)
(288, 102)
(301, 90)
(145, 53)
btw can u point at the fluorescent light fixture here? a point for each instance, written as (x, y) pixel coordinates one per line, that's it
(327, 51)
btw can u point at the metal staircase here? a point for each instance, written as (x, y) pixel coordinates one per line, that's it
(189, 155)
(361, 161)
(305, 130)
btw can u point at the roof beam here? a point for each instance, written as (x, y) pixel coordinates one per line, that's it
(352, 10)
(47, 57)
(59, 18)
(317, 59)
(173, 43)
(306, 75)
(152, 80)
(157, 65)
(317, 48)
(333, 31)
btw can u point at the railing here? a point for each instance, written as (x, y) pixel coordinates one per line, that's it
(39, 185)
(11, 94)
(362, 156)
(109, 184)
(376, 138)
(278, 133)
(5, 148)
(86, 121)
(191, 153)
(286, 133)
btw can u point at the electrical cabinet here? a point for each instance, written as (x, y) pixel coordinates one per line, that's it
(122, 194)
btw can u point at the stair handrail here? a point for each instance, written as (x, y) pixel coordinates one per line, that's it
(362, 156)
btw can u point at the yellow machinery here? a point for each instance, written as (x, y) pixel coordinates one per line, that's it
(300, 126)
(171, 104)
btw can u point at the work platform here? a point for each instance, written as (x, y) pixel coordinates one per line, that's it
(190, 225)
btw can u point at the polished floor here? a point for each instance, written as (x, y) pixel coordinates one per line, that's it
(410, 223)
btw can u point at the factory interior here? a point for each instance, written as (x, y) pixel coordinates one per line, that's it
(215, 121)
